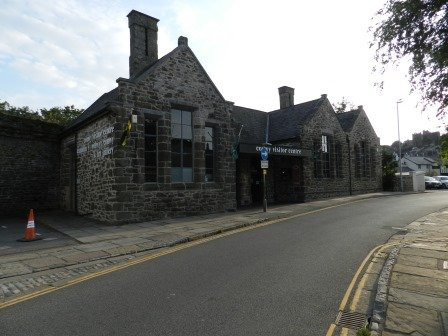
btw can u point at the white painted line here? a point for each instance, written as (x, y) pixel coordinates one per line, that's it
(4, 227)
(51, 238)
(398, 228)
(4, 247)
(445, 264)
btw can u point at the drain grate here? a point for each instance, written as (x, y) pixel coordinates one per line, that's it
(352, 320)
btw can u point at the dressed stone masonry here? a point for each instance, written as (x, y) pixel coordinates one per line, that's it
(111, 185)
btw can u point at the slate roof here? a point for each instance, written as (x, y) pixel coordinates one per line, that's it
(419, 160)
(347, 119)
(284, 123)
(254, 122)
(95, 108)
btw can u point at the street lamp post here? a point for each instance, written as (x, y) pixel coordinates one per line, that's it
(399, 146)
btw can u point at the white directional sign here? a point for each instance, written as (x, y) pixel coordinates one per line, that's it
(264, 164)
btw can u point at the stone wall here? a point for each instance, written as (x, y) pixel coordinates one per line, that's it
(179, 82)
(324, 121)
(29, 166)
(363, 131)
(408, 184)
(112, 187)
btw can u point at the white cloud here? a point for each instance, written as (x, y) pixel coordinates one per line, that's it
(249, 48)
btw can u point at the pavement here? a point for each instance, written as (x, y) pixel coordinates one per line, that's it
(403, 288)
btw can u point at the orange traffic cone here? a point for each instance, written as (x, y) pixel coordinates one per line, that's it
(30, 231)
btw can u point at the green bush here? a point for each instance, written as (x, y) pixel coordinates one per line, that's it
(363, 332)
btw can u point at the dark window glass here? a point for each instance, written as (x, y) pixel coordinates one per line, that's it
(338, 159)
(176, 117)
(209, 158)
(150, 150)
(365, 161)
(187, 146)
(358, 161)
(181, 146)
(317, 155)
(372, 162)
(327, 156)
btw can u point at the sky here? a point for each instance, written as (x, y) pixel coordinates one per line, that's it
(57, 53)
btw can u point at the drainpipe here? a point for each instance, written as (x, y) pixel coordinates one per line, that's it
(349, 164)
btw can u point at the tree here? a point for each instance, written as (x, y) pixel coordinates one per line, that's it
(57, 115)
(389, 166)
(23, 111)
(343, 106)
(60, 115)
(416, 30)
(444, 148)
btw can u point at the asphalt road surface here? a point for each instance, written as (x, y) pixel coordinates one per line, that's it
(282, 279)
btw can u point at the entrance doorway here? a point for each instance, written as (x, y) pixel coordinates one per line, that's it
(256, 181)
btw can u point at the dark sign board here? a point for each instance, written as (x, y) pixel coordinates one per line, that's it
(274, 150)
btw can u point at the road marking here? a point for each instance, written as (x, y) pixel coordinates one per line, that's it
(352, 284)
(362, 283)
(344, 332)
(355, 278)
(358, 292)
(344, 301)
(331, 330)
(169, 250)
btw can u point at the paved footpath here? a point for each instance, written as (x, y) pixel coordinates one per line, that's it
(102, 246)
(404, 286)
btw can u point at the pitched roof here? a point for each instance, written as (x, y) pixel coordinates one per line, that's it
(347, 119)
(95, 108)
(419, 160)
(284, 123)
(254, 124)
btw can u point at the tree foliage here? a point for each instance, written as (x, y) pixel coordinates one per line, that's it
(57, 115)
(343, 106)
(444, 149)
(416, 30)
(389, 166)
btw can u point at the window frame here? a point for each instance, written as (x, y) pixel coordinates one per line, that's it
(182, 153)
(156, 151)
(213, 157)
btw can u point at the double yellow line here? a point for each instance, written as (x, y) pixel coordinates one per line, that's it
(139, 260)
(359, 289)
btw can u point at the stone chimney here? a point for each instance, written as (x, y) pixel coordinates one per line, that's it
(286, 96)
(143, 30)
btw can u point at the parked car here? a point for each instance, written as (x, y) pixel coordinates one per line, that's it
(432, 183)
(443, 180)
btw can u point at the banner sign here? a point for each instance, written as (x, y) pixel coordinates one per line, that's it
(274, 150)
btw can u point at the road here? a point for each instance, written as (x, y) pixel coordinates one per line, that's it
(282, 279)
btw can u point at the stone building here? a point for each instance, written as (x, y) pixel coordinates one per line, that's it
(314, 152)
(165, 143)
(175, 159)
